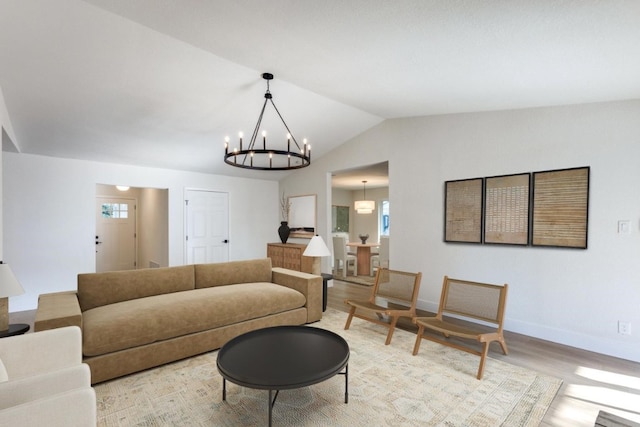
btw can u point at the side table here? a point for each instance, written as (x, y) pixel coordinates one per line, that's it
(325, 279)
(15, 329)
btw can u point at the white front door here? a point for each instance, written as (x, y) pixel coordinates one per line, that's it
(207, 226)
(115, 234)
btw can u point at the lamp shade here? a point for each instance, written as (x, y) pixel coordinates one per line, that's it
(317, 247)
(364, 206)
(9, 285)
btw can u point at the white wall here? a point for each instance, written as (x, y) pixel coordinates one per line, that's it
(571, 296)
(366, 223)
(154, 227)
(49, 216)
(5, 125)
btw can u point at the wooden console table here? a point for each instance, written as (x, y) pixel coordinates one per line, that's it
(289, 255)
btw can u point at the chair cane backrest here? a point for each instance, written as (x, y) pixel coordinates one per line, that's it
(480, 301)
(397, 286)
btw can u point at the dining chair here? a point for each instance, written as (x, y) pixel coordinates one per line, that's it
(340, 255)
(381, 259)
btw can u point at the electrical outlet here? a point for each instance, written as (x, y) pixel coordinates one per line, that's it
(624, 328)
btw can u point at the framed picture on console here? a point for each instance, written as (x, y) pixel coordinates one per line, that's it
(302, 216)
(463, 210)
(506, 209)
(560, 208)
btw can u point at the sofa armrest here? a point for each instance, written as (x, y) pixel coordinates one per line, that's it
(57, 310)
(72, 408)
(307, 284)
(41, 352)
(24, 390)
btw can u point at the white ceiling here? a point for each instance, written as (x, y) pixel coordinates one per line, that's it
(162, 82)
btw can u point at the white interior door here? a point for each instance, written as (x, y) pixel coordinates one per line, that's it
(207, 226)
(115, 234)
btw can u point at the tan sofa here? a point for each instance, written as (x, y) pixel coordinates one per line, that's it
(139, 319)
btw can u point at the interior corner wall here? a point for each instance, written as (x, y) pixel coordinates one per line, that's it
(49, 216)
(154, 227)
(571, 296)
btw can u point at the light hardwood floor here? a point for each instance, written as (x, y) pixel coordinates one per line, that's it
(591, 381)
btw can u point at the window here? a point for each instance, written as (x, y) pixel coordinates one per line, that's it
(383, 221)
(115, 210)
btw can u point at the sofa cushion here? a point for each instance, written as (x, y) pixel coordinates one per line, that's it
(229, 273)
(98, 289)
(143, 321)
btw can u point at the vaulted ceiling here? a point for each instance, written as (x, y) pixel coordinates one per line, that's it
(161, 82)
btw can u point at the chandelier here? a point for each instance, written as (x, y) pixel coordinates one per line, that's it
(364, 206)
(258, 156)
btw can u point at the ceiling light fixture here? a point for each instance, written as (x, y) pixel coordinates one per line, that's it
(263, 158)
(122, 187)
(364, 206)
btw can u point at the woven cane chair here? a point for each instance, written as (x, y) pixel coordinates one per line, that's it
(391, 288)
(471, 302)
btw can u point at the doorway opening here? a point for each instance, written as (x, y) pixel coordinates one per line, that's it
(132, 228)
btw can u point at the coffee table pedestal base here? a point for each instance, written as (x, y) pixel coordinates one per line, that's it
(272, 399)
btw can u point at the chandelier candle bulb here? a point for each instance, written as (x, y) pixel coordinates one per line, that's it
(264, 139)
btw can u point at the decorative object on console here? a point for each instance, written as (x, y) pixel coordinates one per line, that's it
(254, 157)
(364, 206)
(316, 248)
(9, 287)
(284, 231)
(363, 238)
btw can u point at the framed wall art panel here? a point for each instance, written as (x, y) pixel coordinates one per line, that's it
(560, 208)
(463, 210)
(506, 209)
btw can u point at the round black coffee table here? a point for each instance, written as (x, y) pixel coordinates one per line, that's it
(283, 357)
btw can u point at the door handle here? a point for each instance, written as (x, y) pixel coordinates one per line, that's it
(97, 243)
(225, 241)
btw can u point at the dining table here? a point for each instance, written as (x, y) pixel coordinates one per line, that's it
(363, 255)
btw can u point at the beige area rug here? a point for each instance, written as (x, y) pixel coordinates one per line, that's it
(359, 280)
(387, 387)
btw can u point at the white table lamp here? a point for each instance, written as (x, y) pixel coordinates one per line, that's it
(316, 249)
(9, 287)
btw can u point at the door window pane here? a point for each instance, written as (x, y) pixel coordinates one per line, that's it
(115, 210)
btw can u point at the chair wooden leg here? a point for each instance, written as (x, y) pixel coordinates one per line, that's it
(503, 344)
(483, 358)
(392, 328)
(416, 347)
(351, 312)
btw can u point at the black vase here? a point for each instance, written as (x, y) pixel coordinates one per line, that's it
(283, 231)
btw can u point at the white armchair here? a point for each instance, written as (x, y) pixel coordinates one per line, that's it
(44, 382)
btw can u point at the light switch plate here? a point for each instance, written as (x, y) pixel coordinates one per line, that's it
(624, 226)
